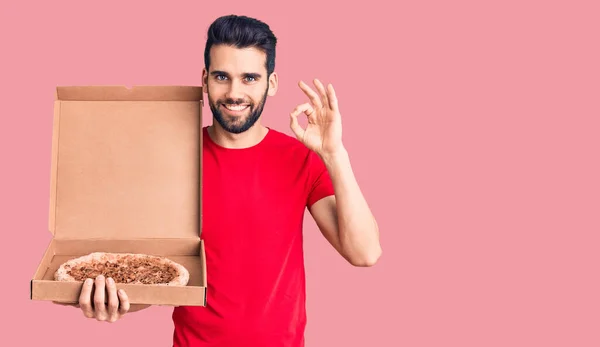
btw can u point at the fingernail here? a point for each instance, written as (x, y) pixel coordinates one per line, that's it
(100, 277)
(88, 282)
(110, 281)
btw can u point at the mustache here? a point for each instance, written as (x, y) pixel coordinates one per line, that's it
(235, 102)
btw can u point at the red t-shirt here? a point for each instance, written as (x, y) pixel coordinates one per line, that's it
(253, 204)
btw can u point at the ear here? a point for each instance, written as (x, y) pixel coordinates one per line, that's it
(204, 80)
(273, 84)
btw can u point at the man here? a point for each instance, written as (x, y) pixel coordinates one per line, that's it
(258, 183)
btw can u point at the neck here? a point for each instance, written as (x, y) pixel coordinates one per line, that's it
(248, 138)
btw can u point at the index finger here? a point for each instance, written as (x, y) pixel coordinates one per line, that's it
(85, 298)
(314, 98)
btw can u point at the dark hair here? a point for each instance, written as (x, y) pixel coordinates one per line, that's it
(241, 32)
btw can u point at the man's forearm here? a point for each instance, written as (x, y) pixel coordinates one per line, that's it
(358, 230)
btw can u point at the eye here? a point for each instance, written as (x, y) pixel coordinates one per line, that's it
(251, 79)
(221, 77)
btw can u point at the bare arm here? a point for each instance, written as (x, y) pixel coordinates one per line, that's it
(345, 219)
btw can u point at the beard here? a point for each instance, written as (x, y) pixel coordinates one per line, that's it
(237, 124)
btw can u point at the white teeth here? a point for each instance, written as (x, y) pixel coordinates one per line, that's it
(236, 107)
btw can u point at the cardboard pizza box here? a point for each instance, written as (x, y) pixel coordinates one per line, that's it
(126, 177)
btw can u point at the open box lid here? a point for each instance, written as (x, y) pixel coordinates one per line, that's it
(126, 162)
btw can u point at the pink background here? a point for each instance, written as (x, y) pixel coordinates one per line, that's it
(473, 132)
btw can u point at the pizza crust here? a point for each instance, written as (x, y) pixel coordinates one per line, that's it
(124, 262)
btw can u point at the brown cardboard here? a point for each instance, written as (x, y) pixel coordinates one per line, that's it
(126, 177)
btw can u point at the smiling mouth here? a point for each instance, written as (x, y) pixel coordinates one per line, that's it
(236, 108)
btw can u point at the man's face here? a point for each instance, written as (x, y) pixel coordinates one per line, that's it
(237, 86)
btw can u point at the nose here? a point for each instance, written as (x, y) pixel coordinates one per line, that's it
(235, 91)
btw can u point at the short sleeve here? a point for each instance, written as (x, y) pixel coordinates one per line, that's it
(319, 184)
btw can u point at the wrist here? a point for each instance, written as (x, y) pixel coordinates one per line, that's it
(337, 157)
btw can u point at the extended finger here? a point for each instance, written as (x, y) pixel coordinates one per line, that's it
(322, 92)
(124, 306)
(113, 300)
(333, 101)
(85, 298)
(314, 98)
(99, 299)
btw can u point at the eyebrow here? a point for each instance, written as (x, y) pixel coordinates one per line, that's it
(246, 74)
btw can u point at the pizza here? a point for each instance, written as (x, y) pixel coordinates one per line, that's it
(126, 268)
